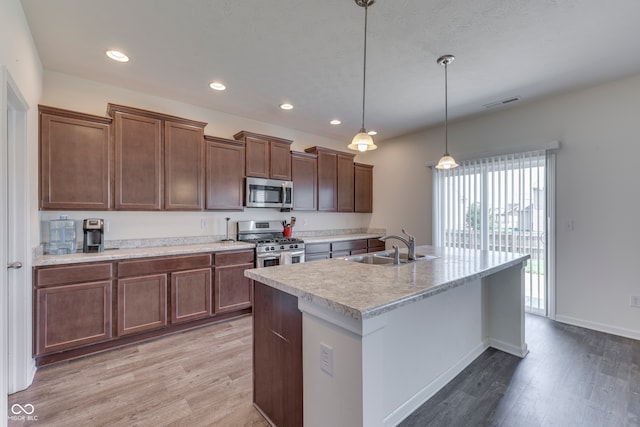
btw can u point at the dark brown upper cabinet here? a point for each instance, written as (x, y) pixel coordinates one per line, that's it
(363, 187)
(266, 156)
(345, 182)
(304, 174)
(158, 160)
(75, 160)
(335, 179)
(224, 174)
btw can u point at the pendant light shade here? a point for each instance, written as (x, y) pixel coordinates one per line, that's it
(446, 161)
(363, 141)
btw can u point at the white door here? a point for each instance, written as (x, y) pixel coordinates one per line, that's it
(15, 291)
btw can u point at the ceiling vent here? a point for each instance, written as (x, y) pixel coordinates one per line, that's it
(502, 102)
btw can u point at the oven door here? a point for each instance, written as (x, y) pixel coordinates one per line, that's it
(284, 257)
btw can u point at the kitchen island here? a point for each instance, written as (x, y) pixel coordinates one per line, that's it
(368, 344)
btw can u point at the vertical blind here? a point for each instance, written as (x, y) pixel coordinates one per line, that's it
(496, 203)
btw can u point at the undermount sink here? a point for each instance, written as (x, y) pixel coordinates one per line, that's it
(369, 259)
(386, 258)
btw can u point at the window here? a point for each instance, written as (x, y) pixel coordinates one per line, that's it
(499, 204)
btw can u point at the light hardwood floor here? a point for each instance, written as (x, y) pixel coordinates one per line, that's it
(571, 377)
(201, 377)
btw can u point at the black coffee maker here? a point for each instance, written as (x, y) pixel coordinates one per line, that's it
(93, 235)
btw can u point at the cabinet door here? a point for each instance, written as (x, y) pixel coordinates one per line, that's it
(257, 157)
(363, 187)
(304, 173)
(232, 289)
(280, 160)
(190, 295)
(138, 166)
(142, 303)
(277, 356)
(345, 183)
(71, 316)
(75, 157)
(327, 181)
(225, 174)
(183, 167)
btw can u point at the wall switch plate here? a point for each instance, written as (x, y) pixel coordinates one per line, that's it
(635, 301)
(326, 359)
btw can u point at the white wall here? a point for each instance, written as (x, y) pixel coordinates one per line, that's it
(69, 92)
(596, 272)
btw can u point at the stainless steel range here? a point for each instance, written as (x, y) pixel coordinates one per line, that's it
(272, 248)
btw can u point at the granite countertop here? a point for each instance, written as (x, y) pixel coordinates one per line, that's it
(363, 291)
(118, 254)
(340, 237)
(177, 249)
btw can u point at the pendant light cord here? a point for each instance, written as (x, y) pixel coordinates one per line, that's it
(446, 112)
(364, 66)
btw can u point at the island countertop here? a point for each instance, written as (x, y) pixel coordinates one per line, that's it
(362, 291)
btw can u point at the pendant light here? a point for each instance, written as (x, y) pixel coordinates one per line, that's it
(363, 141)
(446, 161)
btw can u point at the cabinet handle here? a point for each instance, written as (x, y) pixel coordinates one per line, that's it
(279, 336)
(15, 265)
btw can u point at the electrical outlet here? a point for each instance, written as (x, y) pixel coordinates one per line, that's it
(635, 301)
(326, 359)
(203, 224)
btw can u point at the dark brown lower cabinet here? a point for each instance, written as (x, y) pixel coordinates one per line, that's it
(232, 289)
(84, 308)
(190, 295)
(277, 356)
(142, 303)
(70, 316)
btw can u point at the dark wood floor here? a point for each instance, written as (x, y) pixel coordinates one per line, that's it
(571, 377)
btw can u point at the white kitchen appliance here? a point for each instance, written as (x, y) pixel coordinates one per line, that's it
(272, 248)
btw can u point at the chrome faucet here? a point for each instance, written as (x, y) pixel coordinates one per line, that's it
(410, 241)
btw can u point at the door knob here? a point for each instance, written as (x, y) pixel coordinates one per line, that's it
(15, 265)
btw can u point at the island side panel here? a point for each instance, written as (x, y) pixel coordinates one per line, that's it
(277, 356)
(386, 366)
(505, 310)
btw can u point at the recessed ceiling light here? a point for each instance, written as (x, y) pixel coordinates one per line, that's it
(335, 122)
(286, 106)
(217, 86)
(372, 132)
(117, 56)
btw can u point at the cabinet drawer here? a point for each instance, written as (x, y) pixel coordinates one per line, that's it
(376, 245)
(47, 276)
(349, 245)
(315, 248)
(158, 265)
(234, 258)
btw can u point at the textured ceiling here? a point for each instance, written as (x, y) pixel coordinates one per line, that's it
(309, 53)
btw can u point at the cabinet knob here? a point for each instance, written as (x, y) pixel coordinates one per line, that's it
(15, 265)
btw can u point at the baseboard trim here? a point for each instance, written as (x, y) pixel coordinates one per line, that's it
(601, 327)
(408, 407)
(509, 348)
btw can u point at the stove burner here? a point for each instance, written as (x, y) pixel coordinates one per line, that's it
(276, 240)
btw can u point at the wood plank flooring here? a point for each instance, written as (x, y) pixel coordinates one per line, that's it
(201, 377)
(571, 377)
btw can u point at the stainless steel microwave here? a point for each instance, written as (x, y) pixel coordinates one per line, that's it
(268, 193)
